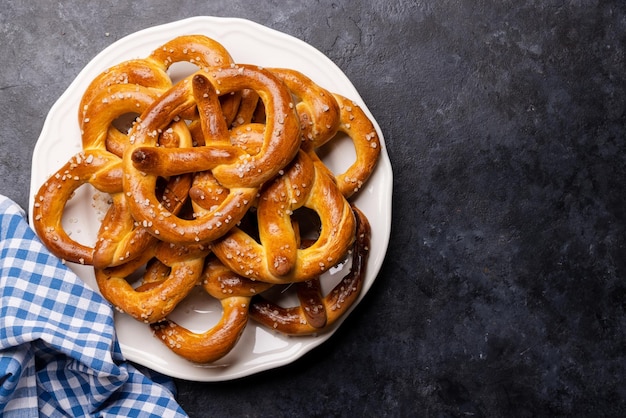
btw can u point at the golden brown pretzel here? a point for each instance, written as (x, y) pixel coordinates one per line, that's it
(234, 293)
(203, 52)
(97, 124)
(234, 168)
(317, 312)
(317, 108)
(97, 167)
(356, 124)
(136, 72)
(151, 72)
(323, 116)
(120, 237)
(277, 257)
(154, 302)
(200, 50)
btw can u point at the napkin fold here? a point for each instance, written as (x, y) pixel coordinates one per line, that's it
(59, 354)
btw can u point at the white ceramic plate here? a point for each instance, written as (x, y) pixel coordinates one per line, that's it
(258, 349)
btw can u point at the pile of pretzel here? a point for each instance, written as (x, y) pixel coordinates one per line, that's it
(216, 184)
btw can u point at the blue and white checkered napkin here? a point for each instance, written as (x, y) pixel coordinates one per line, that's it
(59, 355)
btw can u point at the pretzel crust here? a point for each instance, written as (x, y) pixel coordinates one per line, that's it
(316, 312)
(97, 167)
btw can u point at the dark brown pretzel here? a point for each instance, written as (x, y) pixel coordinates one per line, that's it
(318, 312)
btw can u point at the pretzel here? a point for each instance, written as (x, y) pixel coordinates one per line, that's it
(277, 258)
(234, 293)
(151, 72)
(360, 129)
(203, 52)
(236, 170)
(127, 88)
(155, 301)
(97, 167)
(317, 108)
(316, 312)
(97, 123)
(323, 116)
(94, 165)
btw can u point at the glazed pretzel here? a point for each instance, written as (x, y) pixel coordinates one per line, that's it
(360, 129)
(234, 168)
(317, 312)
(97, 167)
(322, 116)
(277, 257)
(182, 267)
(151, 72)
(234, 293)
(94, 165)
(119, 240)
(127, 88)
(317, 108)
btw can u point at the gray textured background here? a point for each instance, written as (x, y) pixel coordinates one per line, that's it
(503, 291)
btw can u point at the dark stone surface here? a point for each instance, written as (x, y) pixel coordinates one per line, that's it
(503, 292)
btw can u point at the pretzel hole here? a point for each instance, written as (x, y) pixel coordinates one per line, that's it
(181, 69)
(124, 123)
(338, 154)
(286, 296)
(198, 312)
(81, 221)
(309, 223)
(282, 295)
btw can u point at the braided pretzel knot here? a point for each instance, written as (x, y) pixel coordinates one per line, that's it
(232, 166)
(277, 258)
(234, 293)
(317, 312)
